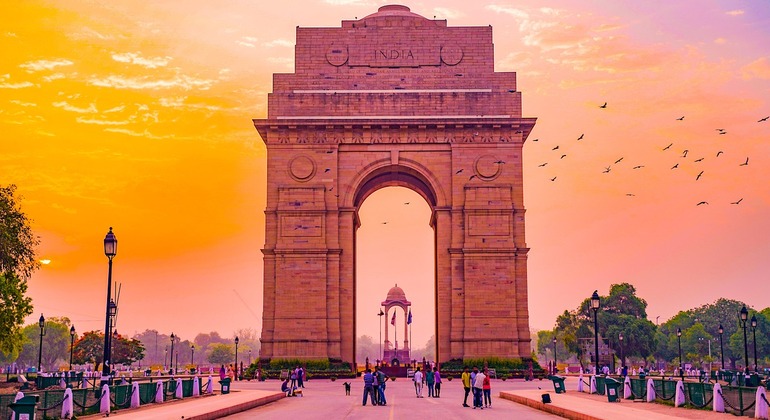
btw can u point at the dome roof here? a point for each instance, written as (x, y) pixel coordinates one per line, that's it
(393, 10)
(396, 295)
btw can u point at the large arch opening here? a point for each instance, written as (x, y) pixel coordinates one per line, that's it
(395, 245)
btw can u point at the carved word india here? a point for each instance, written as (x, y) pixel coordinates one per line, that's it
(392, 54)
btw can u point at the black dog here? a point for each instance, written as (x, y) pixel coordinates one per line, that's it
(347, 387)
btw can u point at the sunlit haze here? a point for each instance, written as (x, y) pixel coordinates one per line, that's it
(137, 115)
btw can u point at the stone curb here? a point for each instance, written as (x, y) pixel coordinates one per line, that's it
(548, 408)
(222, 412)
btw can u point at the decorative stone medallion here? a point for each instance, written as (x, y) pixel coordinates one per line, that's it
(302, 168)
(451, 55)
(488, 167)
(337, 55)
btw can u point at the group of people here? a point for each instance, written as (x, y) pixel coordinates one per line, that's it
(228, 372)
(479, 383)
(431, 378)
(297, 376)
(374, 386)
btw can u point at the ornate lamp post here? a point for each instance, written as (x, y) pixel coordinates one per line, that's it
(679, 342)
(165, 357)
(754, 333)
(554, 355)
(622, 358)
(72, 343)
(236, 358)
(721, 346)
(41, 323)
(192, 354)
(171, 365)
(744, 316)
(110, 250)
(595, 306)
(380, 315)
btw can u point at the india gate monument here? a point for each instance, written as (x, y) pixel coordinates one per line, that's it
(394, 99)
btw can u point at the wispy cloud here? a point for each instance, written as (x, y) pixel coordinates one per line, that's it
(736, 12)
(40, 65)
(348, 2)
(83, 120)
(445, 13)
(20, 103)
(517, 13)
(757, 69)
(181, 82)
(136, 58)
(278, 43)
(115, 109)
(54, 76)
(71, 108)
(132, 133)
(6, 84)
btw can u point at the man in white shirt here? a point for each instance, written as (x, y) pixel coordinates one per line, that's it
(478, 385)
(418, 382)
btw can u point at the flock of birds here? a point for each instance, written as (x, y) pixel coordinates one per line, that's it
(683, 157)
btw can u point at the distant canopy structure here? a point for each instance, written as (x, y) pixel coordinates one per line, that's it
(396, 299)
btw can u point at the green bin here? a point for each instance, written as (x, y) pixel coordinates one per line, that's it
(225, 386)
(612, 388)
(558, 384)
(24, 408)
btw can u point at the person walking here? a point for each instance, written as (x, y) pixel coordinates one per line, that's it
(478, 385)
(222, 373)
(486, 388)
(430, 380)
(369, 386)
(418, 379)
(300, 377)
(437, 378)
(466, 379)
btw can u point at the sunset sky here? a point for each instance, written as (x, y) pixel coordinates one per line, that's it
(137, 115)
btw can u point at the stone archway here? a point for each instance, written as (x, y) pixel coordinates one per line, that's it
(394, 99)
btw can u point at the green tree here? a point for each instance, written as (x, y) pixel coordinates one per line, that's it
(17, 263)
(221, 354)
(56, 344)
(126, 350)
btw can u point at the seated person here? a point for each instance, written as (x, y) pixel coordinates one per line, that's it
(285, 388)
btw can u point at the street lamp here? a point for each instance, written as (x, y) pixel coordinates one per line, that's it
(622, 358)
(41, 323)
(72, 343)
(380, 315)
(554, 354)
(192, 354)
(744, 316)
(679, 342)
(171, 365)
(165, 357)
(110, 250)
(754, 333)
(721, 346)
(249, 357)
(595, 306)
(236, 358)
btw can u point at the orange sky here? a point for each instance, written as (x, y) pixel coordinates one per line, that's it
(138, 115)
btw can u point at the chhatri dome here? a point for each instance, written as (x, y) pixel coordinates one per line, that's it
(396, 295)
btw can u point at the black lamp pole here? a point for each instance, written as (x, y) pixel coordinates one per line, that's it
(679, 342)
(744, 316)
(165, 357)
(554, 354)
(754, 333)
(622, 357)
(72, 343)
(236, 358)
(595, 306)
(41, 323)
(380, 315)
(192, 354)
(721, 346)
(110, 250)
(171, 365)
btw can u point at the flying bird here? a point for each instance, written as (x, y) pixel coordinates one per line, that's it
(542, 164)
(555, 148)
(618, 161)
(737, 202)
(535, 139)
(719, 153)
(327, 170)
(630, 195)
(722, 132)
(553, 179)
(684, 154)
(680, 118)
(702, 203)
(764, 119)
(581, 137)
(607, 170)
(668, 147)
(407, 203)
(638, 167)
(472, 176)
(745, 163)
(675, 166)
(603, 106)
(699, 175)
(563, 156)
(719, 129)
(500, 162)
(699, 160)
(458, 171)
(384, 223)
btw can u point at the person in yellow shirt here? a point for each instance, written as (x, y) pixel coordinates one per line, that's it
(466, 378)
